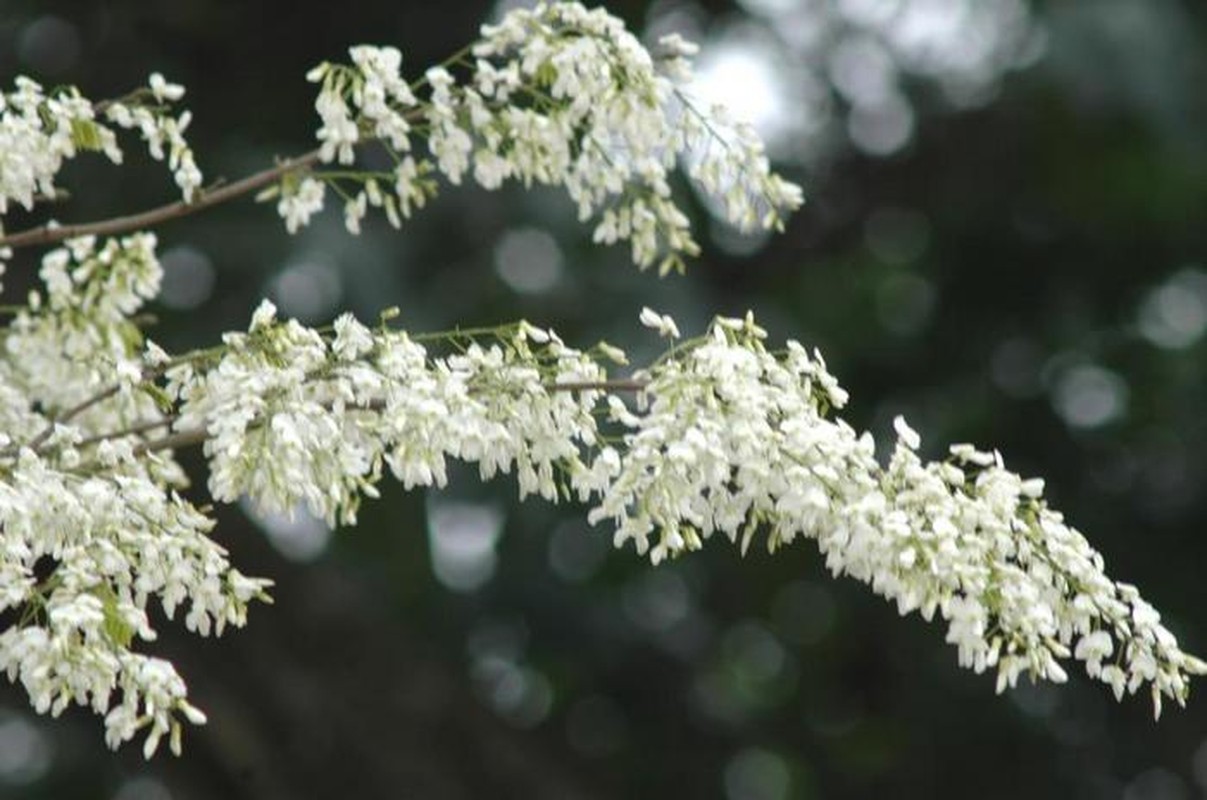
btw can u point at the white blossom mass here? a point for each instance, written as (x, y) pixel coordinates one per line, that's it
(723, 435)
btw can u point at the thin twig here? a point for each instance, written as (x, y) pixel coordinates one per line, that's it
(603, 386)
(36, 443)
(136, 429)
(46, 234)
(185, 438)
(39, 440)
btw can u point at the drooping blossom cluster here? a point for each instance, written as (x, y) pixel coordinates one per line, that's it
(554, 95)
(39, 130)
(737, 439)
(94, 529)
(721, 435)
(148, 112)
(724, 437)
(291, 417)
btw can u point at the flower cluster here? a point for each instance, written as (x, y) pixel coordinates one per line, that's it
(93, 527)
(149, 112)
(77, 337)
(110, 542)
(554, 95)
(40, 130)
(291, 417)
(736, 438)
(728, 437)
(724, 435)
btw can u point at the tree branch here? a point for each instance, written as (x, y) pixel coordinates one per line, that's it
(619, 385)
(185, 438)
(134, 430)
(46, 234)
(36, 443)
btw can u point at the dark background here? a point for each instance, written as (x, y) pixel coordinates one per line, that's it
(1003, 240)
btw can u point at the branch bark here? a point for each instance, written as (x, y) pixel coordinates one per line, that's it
(46, 234)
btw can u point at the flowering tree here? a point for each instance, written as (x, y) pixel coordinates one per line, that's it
(722, 433)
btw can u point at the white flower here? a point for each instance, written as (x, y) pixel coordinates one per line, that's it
(264, 316)
(352, 339)
(408, 186)
(907, 435)
(160, 130)
(660, 322)
(354, 212)
(298, 205)
(162, 90)
(338, 133)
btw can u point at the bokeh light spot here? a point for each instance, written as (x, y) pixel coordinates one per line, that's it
(1088, 396)
(904, 303)
(745, 80)
(804, 612)
(756, 774)
(26, 752)
(521, 695)
(528, 260)
(307, 289)
(143, 787)
(657, 600)
(1016, 367)
(754, 653)
(462, 537)
(299, 536)
(863, 70)
(1157, 783)
(188, 278)
(882, 128)
(1174, 314)
(575, 551)
(896, 235)
(49, 46)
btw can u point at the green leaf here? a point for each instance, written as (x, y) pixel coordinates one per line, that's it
(85, 134)
(120, 632)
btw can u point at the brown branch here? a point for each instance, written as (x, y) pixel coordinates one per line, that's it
(46, 234)
(185, 438)
(39, 440)
(603, 386)
(218, 193)
(136, 429)
(36, 443)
